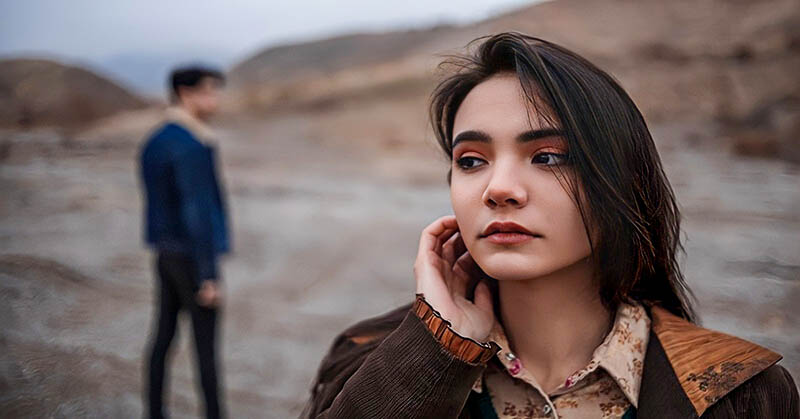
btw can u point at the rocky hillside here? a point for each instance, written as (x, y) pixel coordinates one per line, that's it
(43, 92)
(730, 62)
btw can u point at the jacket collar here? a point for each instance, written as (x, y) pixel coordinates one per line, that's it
(198, 128)
(688, 368)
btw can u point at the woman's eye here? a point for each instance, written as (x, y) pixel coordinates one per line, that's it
(467, 163)
(550, 159)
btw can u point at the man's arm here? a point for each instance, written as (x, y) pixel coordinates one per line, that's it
(195, 182)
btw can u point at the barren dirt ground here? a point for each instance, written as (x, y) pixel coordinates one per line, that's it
(325, 232)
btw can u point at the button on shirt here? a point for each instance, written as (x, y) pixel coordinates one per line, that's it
(606, 388)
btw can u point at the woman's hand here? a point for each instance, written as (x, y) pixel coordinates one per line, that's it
(443, 271)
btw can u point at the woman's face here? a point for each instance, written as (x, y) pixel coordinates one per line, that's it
(516, 218)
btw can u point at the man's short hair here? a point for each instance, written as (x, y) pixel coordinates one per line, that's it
(190, 77)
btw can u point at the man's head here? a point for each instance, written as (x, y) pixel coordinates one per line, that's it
(197, 90)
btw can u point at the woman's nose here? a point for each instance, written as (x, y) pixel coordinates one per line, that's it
(505, 189)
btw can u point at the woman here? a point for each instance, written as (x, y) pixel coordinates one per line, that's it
(554, 290)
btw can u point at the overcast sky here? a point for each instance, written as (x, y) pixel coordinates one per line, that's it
(137, 41)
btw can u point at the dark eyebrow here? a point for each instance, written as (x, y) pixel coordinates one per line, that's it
(526, 136)
(471, 135)
(539, 133)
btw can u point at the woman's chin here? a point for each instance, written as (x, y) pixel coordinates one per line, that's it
(511, 266)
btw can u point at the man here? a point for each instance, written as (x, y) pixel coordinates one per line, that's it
(186, 225)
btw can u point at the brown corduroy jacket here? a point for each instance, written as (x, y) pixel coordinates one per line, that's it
(392, 366)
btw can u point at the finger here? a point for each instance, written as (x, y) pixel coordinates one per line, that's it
(442, 239)
(463, 274)
(459, 248)
(483, 297)
(430, 235)
(457, 284)
(449, 250)
(468, 265)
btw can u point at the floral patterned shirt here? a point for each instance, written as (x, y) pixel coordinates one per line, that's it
(606, 388)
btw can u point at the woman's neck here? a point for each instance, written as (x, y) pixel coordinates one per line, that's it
(555, 322)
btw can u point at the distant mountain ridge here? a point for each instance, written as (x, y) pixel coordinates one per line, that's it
(726, 62)
(40, 92)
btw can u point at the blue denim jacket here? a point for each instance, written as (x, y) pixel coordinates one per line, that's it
(185, 208)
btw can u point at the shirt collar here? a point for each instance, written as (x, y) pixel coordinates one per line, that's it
(621, 354)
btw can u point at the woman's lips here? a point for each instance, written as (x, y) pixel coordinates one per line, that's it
(499, 232)
(509, 238)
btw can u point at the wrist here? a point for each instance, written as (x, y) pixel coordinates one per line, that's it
(463, 347)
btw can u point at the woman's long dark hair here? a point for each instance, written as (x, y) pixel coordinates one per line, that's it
(611, 156)
(614, 160)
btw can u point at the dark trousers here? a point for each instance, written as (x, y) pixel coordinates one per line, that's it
(177, 283)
